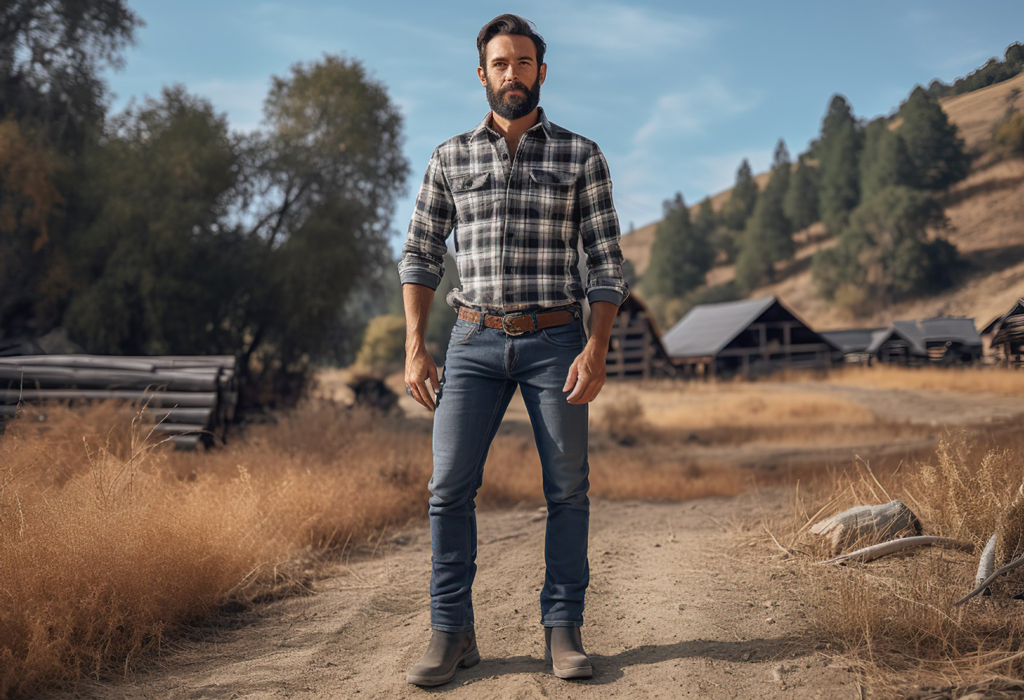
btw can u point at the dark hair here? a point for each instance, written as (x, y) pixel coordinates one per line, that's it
(509, 24)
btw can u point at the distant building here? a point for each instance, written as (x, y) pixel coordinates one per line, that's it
(853, 342)
(753, 336)
(635, 348)
(937, 340)
(1007, 333)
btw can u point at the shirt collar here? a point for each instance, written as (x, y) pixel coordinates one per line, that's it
(485, 125)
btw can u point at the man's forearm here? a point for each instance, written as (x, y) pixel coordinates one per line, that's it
(602, 318)
(417, 299)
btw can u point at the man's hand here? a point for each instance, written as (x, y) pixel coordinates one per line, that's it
(587, 373)
(419, 367)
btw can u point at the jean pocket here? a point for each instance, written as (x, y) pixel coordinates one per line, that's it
(568, 335)
(462, 332)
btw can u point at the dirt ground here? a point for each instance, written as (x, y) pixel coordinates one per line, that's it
(679, 606)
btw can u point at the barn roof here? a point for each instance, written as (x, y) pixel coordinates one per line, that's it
(851, 339)
(708, 328)
(931, 330)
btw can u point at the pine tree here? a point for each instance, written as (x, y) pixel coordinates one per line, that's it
(935, 148)
(741, 202)
(838, 150)
(680, 255)
(801, 202)
(889, 166)
(769, 235)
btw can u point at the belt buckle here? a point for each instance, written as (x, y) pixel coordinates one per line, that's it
(512, 331)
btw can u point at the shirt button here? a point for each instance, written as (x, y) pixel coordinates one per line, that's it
(504, 156)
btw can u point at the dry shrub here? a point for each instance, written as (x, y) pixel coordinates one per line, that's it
(895, 617)
(107, 544)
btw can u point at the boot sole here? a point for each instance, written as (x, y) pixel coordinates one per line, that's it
(575, 672)
(472, 658)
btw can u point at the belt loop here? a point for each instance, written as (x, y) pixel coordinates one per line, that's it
(480, 320)
(536, 326)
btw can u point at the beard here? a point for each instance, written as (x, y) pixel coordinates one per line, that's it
(513, 107)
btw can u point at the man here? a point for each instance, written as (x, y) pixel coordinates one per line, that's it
(520, 192)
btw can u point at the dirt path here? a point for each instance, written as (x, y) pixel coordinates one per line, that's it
(677, 608)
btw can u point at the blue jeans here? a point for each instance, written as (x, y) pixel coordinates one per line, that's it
(482, 369)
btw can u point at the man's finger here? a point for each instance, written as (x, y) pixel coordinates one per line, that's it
(570, 380)
(580, 390)
(432, 371)
(428, 399)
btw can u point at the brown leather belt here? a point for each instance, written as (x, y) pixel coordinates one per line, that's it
(520, 322)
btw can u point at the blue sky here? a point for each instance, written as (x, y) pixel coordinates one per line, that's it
(675, 93)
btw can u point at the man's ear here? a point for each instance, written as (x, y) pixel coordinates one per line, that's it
(480, 73)
(543, 72)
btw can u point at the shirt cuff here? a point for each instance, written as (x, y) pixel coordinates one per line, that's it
(427, 279)
(603, 294)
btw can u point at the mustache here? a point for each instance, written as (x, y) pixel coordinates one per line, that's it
(514, 86)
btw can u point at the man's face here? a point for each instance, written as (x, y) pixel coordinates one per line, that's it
(511, 76)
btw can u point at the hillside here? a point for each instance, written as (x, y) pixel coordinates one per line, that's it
(985, 213)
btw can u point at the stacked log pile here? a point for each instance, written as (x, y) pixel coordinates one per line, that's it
(190, 399)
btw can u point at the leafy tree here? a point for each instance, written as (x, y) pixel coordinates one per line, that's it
(838, 149)
(769, 235)
(884, 254)
(801, 202)
(935, 148)
(52, 100)
(681, 255)
(994, 71)
(383, 349)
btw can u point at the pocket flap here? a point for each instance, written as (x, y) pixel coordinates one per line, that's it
(551, 177)
(470, 182)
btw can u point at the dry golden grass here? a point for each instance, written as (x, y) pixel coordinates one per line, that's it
(993, 380)
(109, 542)
(895, 617)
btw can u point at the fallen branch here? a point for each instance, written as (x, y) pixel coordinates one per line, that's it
(1016, 563)
(880, 550)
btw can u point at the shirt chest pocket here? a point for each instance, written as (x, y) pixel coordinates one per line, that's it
(552, 194)
(474, 196)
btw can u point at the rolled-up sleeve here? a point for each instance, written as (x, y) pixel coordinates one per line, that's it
(599, 227)
(423, 253)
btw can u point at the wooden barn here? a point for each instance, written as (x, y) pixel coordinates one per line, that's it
(853, 342)
(753, 336)
(948, 341)
(635, 348)
(1007, 333)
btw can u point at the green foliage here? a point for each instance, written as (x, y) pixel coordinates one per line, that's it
(383, 349)
(994, 71)
(741, 201)
(1010, 135)
(769, 235)
(801, 203)
(884, 255)
(886, 164)
(935, 148)
(681, 254)
(838, 150)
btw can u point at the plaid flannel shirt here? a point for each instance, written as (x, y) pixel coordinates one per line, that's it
(517, 221)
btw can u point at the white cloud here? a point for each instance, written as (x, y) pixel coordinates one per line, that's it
(688, 111)
(626, 29)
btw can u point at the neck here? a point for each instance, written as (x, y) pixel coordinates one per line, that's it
(513, 129)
